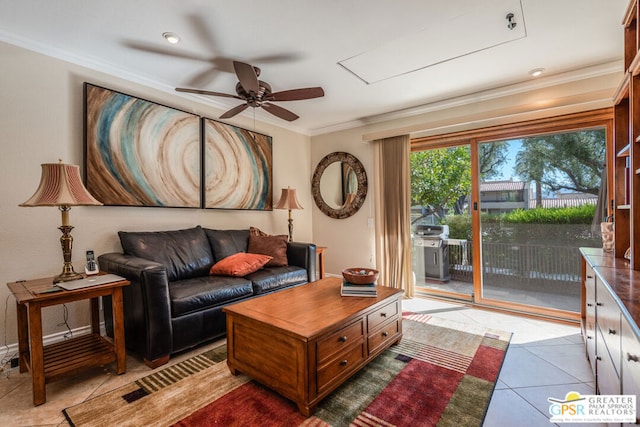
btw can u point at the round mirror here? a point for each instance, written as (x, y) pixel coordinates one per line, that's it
(339, 185)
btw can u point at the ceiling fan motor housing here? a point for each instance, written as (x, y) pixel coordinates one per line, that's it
(255, 100)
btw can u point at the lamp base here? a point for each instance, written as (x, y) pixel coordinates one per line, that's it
(67, 276)
(66, 241)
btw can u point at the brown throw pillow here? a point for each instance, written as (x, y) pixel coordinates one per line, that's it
(254, 231)
(274, 246)
(239, 265)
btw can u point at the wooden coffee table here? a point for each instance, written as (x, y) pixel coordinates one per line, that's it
(305, 341)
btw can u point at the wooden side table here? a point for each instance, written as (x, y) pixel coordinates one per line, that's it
(61, 359)
(320, 251)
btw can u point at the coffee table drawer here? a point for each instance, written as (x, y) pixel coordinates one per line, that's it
(339, 340)
(341, 366)
(379, 338)
(381, 315)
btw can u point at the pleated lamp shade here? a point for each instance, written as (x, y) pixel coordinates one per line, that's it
(288, 200)
(61, 185)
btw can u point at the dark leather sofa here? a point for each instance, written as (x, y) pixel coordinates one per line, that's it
(173, 303)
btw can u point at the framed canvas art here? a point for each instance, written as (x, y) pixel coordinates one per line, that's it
(238, 167)
(139, 153)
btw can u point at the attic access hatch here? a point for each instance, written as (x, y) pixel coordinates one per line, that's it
(461, 28)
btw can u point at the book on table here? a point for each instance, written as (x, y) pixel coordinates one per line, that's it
(354, 290)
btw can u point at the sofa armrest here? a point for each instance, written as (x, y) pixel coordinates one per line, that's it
(147, 308)
(303, 255)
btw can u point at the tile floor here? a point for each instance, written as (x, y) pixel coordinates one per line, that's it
(544, 360)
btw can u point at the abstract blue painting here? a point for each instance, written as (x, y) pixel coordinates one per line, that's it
(238, 167)
(139, 153)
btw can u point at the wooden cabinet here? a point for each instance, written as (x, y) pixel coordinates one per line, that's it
(610, 318)
(631, 364)
(626, 148)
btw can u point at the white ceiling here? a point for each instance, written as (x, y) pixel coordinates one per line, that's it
(413, 52)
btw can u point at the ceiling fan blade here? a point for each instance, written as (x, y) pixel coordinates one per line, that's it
(235, 110)
(247, 76)
(152, 48)
(297, 94)
(206, 92)
(278, 111)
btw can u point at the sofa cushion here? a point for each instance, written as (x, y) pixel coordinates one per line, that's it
(240, 264)
(255, 231)
(274, 246)
(187, 296)
(272, 278)
(227, 242)
(185, 253)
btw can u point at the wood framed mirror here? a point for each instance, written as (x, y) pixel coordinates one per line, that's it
(339, 185)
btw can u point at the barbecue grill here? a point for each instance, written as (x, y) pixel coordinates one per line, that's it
(433, 251)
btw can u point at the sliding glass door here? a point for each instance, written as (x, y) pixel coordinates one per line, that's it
(441, 221)
(498, 214)
(537, 207)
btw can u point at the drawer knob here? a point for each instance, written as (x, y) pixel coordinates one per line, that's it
(385, 334)
(599, 358)
(344, 362)
(633, 358)
(343, 338)
(599, 304)
(589, 337)
(589, 304)
(383, 314)
(589, 277)
(612, 331)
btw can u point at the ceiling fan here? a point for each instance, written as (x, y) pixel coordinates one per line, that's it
(257, 93)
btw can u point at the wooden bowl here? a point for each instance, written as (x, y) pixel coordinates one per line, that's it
(360, 276)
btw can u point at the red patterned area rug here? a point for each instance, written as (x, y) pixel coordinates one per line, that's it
(441, 374)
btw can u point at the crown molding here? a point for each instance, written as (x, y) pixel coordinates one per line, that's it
(611, 67)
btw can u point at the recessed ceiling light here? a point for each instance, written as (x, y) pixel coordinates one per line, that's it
(171, 37)
(536, 72)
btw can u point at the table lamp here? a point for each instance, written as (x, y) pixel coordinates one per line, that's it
(61, 186)
(288, 200)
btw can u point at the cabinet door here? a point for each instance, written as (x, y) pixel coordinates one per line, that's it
(607, 378)
(590, 315)
(630, 364)
(608, 320)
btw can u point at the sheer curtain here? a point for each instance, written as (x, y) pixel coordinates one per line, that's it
(393, 212)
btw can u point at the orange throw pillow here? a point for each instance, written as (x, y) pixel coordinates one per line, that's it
(239, 265)
(274, 246)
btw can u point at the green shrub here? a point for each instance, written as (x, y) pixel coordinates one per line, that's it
(573, 215)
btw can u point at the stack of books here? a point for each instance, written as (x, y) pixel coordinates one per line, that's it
(353, 290)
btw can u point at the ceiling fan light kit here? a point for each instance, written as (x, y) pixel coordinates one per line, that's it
(258, 94)
(171, 37)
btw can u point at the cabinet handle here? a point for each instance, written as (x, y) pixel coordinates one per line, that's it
(344, 362)
(612, 331)
(383, 314)
(589, 337)
(385, 334)
(599, 358)
(589, 304)
(599, 304)
(589, 277)
(343, 338)
(632, 358)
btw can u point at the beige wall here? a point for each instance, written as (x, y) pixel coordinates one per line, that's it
(41, 120)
